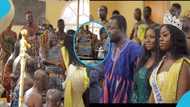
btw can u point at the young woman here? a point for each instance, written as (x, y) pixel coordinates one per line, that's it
(141, 91)
(170, 79)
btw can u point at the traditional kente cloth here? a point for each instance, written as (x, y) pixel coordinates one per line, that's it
(119, 69)
(7, 41)
(85, 45)
(6, 77)
(54, 54)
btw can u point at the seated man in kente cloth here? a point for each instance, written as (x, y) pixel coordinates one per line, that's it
(53, 62)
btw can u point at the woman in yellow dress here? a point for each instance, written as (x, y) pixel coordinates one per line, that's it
(76, 84)
(170, 79)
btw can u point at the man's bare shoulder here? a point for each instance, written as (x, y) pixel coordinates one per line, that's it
(35, 98)
(36, 95)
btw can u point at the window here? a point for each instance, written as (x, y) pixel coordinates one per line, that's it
(70, 13)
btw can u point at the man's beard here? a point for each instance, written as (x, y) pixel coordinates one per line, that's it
(115, 39)
(103, 17)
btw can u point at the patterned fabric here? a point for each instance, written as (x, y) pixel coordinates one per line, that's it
(141, 90)
(7, 79)
(85, 46)
(55, 83)
(96, 75)
(33, 39)
(35, 44)
(54, 55)
(7, 41)
(119, 73)
(15, 97)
